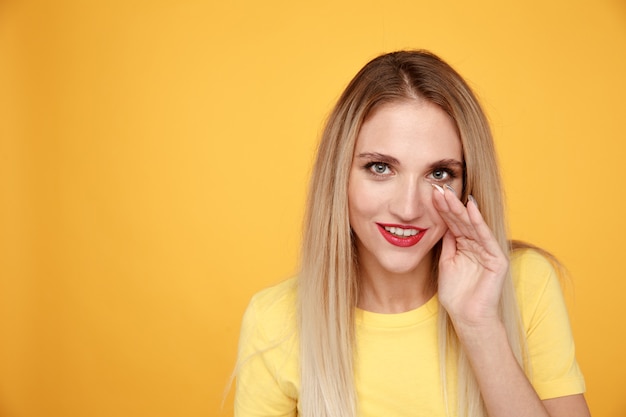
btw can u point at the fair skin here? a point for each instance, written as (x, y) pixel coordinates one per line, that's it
(397, 216)
(397, 157)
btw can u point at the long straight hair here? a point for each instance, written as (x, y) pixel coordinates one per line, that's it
(327, 284)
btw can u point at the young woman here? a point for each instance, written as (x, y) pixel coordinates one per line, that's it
(410, 301)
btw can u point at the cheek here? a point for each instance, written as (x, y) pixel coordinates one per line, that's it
(429, 207)
(433, 213)
(363, 200)
(355, 201)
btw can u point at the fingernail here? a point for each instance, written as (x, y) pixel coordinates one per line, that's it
(438, 188)
(449, 187)
(472, 199)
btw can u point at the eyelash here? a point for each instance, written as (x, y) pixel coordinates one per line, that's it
(451, 174)
(370, 165)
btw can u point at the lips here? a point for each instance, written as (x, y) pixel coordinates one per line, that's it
(403, 236)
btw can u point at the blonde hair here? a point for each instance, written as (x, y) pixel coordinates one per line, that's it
(327, 284)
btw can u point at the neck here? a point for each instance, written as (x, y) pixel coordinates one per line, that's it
(385, 292)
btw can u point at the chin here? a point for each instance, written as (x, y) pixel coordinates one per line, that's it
(405, 263)
(400, 269)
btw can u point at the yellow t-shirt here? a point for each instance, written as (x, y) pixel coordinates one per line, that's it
(397, 364)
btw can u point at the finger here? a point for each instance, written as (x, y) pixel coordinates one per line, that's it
(454, 214)
(468, 226)
(483, 233)
(459, 215)
(442, 206)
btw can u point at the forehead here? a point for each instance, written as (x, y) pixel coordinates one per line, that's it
(409, 128)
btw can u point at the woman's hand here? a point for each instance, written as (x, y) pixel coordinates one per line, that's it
(472, 269)
(472, 266)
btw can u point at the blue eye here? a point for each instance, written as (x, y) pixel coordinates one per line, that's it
(378, 168)
(443, 174)
(440, 174)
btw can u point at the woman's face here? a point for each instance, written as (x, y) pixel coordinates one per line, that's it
(403, 147)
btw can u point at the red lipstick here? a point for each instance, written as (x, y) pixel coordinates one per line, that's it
(402, 241)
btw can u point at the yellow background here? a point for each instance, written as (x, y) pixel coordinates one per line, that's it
(154, 157)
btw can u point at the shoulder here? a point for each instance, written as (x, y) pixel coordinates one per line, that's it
(279, 299)
(531, 270)
(537, 284)
(551, 351)
(267, 363)
(271, 313)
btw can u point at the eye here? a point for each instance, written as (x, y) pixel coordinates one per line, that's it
(440, 174)
(379, 168)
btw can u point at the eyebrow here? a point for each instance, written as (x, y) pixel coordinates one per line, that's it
(379, 157)
(449, 163)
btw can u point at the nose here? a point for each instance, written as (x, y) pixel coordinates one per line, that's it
(409, 199)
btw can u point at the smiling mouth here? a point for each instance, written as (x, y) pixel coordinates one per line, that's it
(400, 232)
(403, 237)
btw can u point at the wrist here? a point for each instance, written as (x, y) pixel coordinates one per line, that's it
(477, 333)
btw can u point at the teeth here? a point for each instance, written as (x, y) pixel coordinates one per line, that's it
(398, 231)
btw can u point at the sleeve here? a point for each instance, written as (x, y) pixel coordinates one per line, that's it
(260, 390)
(554, 370)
